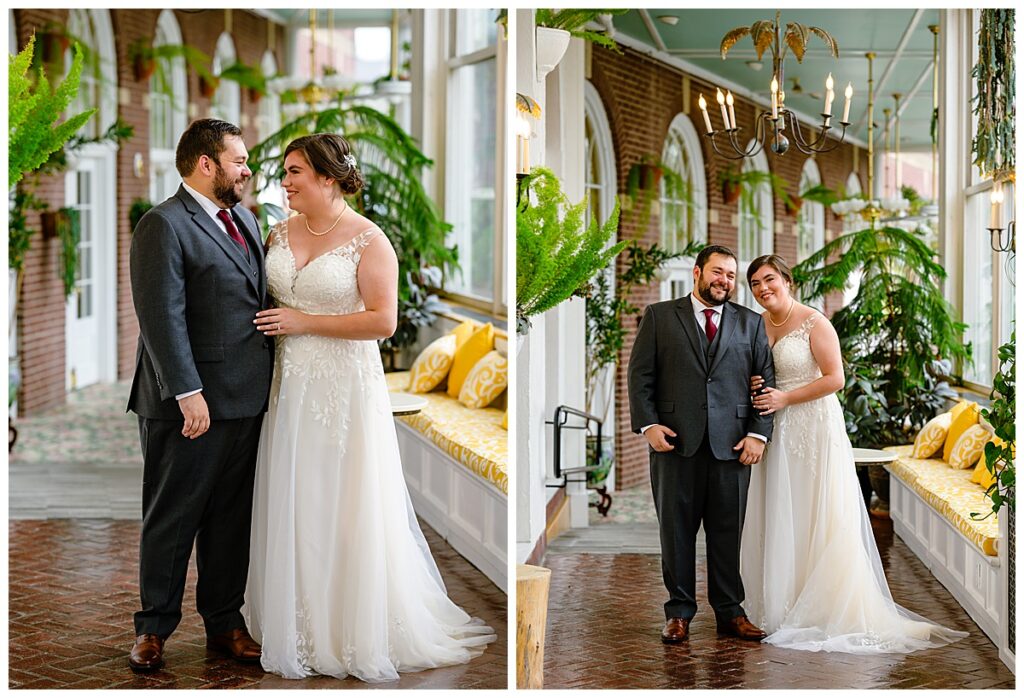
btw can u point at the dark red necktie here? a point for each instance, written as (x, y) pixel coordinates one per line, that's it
(232, 229)
(709, 325)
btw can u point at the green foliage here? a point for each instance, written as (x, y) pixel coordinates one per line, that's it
(994, 146)
(608, 308)
(69, 233)
(136, 211)
(575, 21)
(394, 198)
(1002, 416)
(892, 331)
(643, 184)
(555, 255)
(117, 133)
(33, 110)
(821, 194)
(247, 76)
(750, 183)
(19, 235)
(917, 202)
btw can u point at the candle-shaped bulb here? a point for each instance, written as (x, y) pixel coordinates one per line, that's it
(828, 96)
(849, 90)
(721, 103)
(704, 112)
(732, 112)
(846, 107)
(829, 84)
(775, 85)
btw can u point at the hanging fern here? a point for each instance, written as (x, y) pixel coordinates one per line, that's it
(995, 145)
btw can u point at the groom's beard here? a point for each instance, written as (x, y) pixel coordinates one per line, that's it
(224, 188)
(713, 294)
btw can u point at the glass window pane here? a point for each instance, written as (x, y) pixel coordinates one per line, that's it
(471, 168)
(475, 30)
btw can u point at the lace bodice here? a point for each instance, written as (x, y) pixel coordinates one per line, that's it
(326, 285)
(794, 363)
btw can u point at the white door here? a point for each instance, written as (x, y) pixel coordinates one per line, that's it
(91, 308)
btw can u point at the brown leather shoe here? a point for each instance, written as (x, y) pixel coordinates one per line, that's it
(741, 627)
(237, 644)
(676, 630)
(147, 654)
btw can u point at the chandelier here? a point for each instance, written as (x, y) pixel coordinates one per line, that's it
(772, 124)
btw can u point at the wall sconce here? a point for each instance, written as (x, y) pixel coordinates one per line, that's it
(527, 112)
(999, 244)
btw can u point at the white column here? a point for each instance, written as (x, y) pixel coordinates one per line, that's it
(531, 441)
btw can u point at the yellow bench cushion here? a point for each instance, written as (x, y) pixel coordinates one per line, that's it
(473, 437)
(951, 493)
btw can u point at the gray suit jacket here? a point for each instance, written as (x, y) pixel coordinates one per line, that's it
(672, 382)
(196, 296)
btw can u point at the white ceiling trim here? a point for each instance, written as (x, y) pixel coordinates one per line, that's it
(906, 99)
(880, 86)
(717, 80)
(652, 30)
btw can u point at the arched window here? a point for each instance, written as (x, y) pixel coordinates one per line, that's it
(599, 162)
(811, 219)
(268, 122)
(226, 103)
(168, 104)
(98, 86)
(755, 232)
(850, 224)
(683, 203)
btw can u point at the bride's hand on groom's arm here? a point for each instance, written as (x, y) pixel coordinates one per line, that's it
(770, 400)
(277, 321)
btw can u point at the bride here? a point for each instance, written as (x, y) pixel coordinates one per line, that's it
(341, 581)
(810, 567)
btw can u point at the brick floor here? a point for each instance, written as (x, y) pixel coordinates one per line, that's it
(605, 615)
(73, 588)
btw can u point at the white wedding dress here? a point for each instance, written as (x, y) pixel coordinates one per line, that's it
(810, 567)
(341, 581)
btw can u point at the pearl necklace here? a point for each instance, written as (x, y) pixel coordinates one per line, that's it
(305, 219)
(792, 304)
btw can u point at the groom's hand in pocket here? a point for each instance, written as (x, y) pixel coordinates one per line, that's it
(750, 450)
(658, 437)
(197, 416)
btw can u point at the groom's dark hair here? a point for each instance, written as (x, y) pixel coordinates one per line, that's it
(705, 254)
(202, 137)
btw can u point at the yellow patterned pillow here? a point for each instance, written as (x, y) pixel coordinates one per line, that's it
(504, 420)
(466, 356)
(930, 438)
(485, 382)
(432, 365)
(981, 474)
(969, 447)
(967, 417)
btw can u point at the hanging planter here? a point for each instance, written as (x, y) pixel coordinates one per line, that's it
(208, 86)
(793, 205)
(255, 95)
(143, 67)
(54, 44)
(994, 146)
(551, 47)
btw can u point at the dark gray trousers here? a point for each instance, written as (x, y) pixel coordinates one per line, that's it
(195, 492)
(689, 492)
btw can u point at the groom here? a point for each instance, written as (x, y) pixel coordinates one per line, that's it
(689, 395)
(202, 379)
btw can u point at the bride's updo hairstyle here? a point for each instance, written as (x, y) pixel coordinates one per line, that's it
(330, 155)
(775, 262)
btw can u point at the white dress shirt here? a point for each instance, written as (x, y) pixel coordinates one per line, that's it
(698, 312)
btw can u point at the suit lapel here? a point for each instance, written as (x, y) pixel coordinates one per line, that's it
(728, 325)
(684, 311)
(206, 224)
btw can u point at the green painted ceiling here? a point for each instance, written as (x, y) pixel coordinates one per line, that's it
(900, 38)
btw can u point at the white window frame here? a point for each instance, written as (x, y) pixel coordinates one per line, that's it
(227, 100)
(811, 218)
(94, 27)
(497, 304)
(161, 159)
(678, 273)
(764, 205)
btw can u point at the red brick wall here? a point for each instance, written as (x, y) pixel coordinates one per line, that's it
(641, 97)
(41, 309)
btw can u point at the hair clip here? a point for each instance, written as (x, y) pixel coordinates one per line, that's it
(350, 160)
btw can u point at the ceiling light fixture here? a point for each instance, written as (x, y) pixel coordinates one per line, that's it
(671, 20)
(770, 124)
